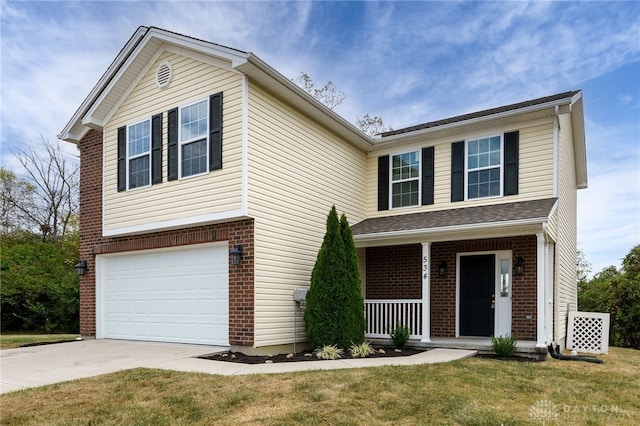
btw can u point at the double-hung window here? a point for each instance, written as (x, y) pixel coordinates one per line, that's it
(405, 179)
(194, 146)
(139, 154)
(484, 167)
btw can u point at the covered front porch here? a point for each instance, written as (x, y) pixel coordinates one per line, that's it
(456, 288)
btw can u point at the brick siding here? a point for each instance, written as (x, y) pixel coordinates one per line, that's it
(394, 273)
(92, 243)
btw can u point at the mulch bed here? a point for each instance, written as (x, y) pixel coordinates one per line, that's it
(307, 356)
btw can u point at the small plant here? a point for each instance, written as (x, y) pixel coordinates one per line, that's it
(362, 350)
(504, 346)
(329, 352)
(400, 336)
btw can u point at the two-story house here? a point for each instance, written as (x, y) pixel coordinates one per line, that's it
(206, 178)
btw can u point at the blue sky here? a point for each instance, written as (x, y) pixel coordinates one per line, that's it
(409, 62)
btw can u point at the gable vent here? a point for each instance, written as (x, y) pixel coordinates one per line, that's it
(164, 74)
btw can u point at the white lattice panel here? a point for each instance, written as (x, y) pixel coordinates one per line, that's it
(588, 332)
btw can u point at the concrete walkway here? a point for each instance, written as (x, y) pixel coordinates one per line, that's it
(42, 365)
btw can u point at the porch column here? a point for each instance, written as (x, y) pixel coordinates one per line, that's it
(426, 293)
(541, 302)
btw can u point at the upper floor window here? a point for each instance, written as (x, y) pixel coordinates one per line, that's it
(193, 138)
(405, 179)
(139, 154)
(484, 167)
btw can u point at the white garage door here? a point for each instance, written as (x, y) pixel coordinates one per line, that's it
(177, 295)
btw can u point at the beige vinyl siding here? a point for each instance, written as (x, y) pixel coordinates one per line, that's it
(535, 170)
(566, 246)
(297, 171)
(218, 191)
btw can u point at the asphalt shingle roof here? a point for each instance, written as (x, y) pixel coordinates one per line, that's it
(483, 113)
(494, 213)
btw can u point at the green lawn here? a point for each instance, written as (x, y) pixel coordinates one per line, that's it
(8, 341)
(471, 391)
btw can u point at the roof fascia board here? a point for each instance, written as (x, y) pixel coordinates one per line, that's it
(124, 53)
(418, 133)
(236, 57)
(224, 64)
(95, 122)
(308, 103)
(428, 232)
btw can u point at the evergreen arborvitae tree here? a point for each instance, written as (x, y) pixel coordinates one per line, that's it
(353, 314)
(334, 313)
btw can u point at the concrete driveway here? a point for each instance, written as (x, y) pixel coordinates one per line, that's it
(42, 365)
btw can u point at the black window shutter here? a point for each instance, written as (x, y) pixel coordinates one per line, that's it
(457, 171)
(427, 175)
(511, 141)
(122, 158)
(383, 182)
(215, 131)
(172, 151)
(156, 149)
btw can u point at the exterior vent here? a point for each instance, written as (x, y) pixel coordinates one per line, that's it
(164, 74)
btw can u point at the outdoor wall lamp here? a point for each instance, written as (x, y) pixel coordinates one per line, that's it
(519, 266)
(82, 267)
(442, 269)
(235, 254)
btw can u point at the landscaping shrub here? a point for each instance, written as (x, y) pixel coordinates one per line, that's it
(329, 352)
(400, 336)
(362, 350)
(504, 346)
(335, 310)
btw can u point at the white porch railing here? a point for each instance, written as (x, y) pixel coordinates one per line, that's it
(383, 315)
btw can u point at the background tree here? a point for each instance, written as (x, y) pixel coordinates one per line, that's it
(334, 313)
(618, 293)
(371, 125)
(52, 188)
(16, 201)
(332, 97)
(40, 240)
(328, 94)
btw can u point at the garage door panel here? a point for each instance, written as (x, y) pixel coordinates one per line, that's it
(176, 295)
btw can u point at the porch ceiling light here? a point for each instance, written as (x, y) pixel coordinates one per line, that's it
(519, 266)
(81, 267)
(442, 269)
(235, 255)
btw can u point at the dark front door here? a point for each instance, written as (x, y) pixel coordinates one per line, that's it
(477, 287)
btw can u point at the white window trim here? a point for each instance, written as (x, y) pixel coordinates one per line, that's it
(391, 181)
(181, 143)
(466, 166)
(133, 157)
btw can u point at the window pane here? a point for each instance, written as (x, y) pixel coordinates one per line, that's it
(484, 160)
(504, 278)
(483, 183)
(193, 121)
(405, 194)
(194, 158)
(139, 140)
(139, 172)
